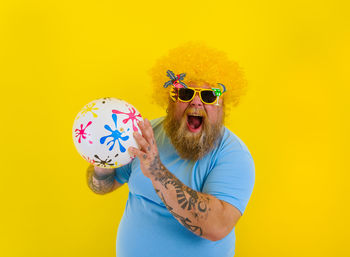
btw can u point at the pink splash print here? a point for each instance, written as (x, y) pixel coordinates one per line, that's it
(132, 116)
(88, 159)
(81, 132)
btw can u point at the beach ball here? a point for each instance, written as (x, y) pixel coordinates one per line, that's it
(103, 131)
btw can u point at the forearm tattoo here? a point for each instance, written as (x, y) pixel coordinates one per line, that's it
(183, 220)
(100, 184)
(195, 203)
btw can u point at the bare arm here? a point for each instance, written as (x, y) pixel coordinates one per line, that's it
(101, 181)
(202, 214)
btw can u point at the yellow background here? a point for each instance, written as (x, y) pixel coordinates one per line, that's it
(56, 56)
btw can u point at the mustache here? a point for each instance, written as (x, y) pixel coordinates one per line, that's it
(195, 112)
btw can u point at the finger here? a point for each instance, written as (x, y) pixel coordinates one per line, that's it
(148, 126)
(147, 131)
(134, 151)
(141, 125)
(141, 141)
(152, 140)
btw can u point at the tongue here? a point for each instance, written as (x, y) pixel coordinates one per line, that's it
(194, 121)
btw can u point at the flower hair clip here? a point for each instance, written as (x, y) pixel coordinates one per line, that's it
(175, 80)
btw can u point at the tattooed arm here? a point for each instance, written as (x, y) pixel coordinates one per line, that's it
(100, 180)
(202, 214)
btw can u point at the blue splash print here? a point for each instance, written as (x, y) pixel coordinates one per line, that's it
(116, 135)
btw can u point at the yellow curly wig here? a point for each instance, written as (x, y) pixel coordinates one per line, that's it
(201, 64)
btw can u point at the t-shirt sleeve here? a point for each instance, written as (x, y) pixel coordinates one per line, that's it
(122, 174)
(232, 179)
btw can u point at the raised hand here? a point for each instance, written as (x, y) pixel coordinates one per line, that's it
(148, 153)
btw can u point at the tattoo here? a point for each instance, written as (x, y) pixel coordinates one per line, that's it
(145, 156)
(152, 141)
(156, 165)
(202, 207)
(183, 220)
(195, 203)
(148, 148)
(100, 184)
(187, 198)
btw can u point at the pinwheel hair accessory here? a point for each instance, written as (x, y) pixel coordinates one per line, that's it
(175, 80)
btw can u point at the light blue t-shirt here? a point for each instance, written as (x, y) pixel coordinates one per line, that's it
(148, 229)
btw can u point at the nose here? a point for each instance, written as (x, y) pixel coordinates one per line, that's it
(196, 101)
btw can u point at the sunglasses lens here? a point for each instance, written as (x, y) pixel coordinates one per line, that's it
(185, 94)
(208, 96)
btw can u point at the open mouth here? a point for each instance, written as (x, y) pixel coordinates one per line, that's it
(194, 122)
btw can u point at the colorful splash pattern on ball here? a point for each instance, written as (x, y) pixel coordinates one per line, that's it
(102, 132)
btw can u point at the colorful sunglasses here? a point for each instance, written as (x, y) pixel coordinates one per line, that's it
(180, 91)
(186, 94)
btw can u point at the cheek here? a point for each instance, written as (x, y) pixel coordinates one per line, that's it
(214, 114)
(180, 109)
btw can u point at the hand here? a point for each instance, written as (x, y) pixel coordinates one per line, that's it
(102, 172)
(148, 152)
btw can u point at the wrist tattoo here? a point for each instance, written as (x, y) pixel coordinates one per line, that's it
(100, 184)
(102, 176)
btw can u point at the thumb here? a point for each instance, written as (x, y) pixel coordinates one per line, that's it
(131, 150)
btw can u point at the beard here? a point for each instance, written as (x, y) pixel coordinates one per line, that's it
(189, 145)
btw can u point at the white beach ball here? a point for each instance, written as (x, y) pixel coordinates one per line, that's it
(103, 131)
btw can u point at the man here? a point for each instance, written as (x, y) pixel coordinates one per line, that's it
(192, 178)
